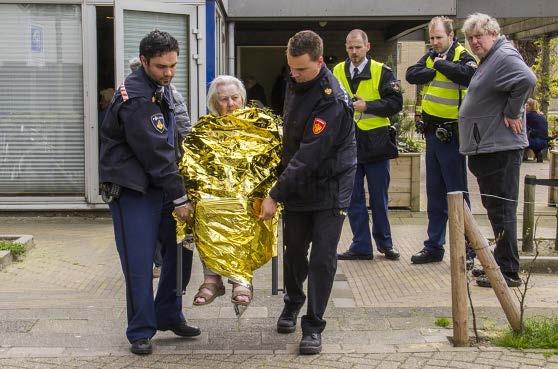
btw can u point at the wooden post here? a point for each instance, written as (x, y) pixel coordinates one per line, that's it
(507, 299)
(528, 213)
(457, 263)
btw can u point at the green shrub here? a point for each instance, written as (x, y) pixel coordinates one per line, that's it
(442, 322)
(16, 249)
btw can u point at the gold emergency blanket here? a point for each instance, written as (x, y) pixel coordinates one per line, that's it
(229, 165)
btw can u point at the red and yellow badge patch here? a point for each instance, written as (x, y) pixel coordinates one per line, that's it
(318, 126)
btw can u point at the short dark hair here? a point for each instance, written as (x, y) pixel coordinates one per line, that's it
(306, 42)
(156, 43)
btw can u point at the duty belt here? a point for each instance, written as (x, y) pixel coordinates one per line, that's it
(432, 127)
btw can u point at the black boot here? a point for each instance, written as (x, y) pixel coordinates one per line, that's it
(142, 347)
(311, 344)
(287, 320)
(182, 329)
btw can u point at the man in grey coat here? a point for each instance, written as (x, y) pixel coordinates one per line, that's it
(492, 133)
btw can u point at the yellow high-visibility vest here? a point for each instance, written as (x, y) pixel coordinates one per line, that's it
(368, 89)
(441, 96)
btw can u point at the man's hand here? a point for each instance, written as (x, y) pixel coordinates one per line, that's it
(516, 125)
(438, 58)
(185, 212)
(269, 208)
(359, 104)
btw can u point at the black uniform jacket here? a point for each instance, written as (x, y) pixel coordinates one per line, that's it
(137, 139)
(459, 72)
(377, 144)
(318, 161)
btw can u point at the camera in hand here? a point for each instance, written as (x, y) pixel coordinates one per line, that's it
(420, 127)
(109, 191)
(443, 133)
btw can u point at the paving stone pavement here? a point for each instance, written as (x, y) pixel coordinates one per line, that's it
(229, 360)
(63, 306)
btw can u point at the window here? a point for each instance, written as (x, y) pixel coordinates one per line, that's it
(41, 100)
(137, 24)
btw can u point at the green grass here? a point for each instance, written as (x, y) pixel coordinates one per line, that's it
(16, 249)
(540, 333)
(442, 322)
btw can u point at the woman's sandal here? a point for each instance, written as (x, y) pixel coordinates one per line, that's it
(240, 290)
(215, 290)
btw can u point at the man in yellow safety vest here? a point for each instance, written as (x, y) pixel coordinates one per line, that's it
(445, 72)
(376, 95)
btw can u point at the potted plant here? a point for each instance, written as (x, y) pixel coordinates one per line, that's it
(404, 188)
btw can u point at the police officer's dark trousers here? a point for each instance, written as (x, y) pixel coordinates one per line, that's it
(377, 177)
(446, 171)
(323, 229)
(498, 175)
(140, 220)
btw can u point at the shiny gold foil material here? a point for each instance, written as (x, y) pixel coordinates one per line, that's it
(229, 166)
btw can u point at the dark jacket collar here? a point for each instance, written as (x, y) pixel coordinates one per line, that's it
(450, 52)
(365, 74)
(138, 84)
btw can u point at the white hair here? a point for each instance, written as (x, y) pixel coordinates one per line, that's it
(135, 63)
(479, 22)
(222, 80)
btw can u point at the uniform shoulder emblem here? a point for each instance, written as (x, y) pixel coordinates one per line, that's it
(158, 122)
(318, 126)
(123, 92)
(395, 86)
(472, 64)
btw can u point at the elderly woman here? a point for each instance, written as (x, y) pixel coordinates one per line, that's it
(225, 95)
(228, 164)
(537, 129)
(492, 133)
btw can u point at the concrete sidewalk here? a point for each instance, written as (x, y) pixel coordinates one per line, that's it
(64, 306)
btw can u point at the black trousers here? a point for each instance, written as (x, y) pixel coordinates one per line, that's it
(498, 174)
(322, 229)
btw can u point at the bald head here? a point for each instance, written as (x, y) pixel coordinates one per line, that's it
(358, 33)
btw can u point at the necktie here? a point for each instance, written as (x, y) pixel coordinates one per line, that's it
(355, 72)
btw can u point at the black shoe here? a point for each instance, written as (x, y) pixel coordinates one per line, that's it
(470, 255)
(349, 255)
(425, 256)
(483, 281)
(142, 347)
(469, 263)
(539, 157)
(391, 254)
(287, 320)
(182, 329)
(311, 344)
(477, 272)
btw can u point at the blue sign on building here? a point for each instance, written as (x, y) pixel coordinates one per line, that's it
(36, 39)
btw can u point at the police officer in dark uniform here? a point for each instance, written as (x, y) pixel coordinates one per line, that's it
(140, 180)
(376, 96)
(317, 171)
(445, 70)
